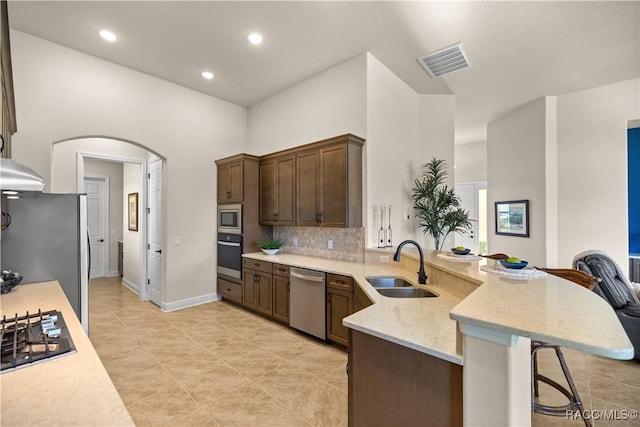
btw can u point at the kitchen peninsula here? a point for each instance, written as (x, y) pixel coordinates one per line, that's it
(486, 330)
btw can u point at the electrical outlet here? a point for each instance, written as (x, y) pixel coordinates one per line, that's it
(295, 241)
(406, 217)
(177, 240)
(330, 244)
(384, 258)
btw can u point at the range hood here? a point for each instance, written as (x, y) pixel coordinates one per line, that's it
(16, 178)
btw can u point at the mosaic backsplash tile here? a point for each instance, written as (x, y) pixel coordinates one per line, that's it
(348, 243)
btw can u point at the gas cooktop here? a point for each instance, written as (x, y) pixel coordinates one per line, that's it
(33, 338)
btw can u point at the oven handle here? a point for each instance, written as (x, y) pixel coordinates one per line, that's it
(228, 243)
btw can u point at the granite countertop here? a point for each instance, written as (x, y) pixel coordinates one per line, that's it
(549, 309)
(73, 389)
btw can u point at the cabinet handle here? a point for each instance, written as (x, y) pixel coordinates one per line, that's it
(228, 194)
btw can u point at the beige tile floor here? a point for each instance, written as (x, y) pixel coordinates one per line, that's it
(219, 365)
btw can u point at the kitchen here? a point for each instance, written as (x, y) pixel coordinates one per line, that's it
(51, 111)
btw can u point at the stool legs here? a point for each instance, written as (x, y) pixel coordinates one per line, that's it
(572, 394)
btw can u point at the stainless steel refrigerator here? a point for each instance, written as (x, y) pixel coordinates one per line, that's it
(47, 240)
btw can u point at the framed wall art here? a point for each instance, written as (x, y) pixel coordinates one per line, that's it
(133, 211)
(512, 218)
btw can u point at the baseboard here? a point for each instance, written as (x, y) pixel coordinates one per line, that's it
(190, 302)
(113, 273)
(129, 284)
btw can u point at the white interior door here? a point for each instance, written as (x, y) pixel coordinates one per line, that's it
(155, 233)
(97, 190)
(469, 197)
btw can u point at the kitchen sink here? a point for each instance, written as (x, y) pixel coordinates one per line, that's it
(388, 282)
(406, 292)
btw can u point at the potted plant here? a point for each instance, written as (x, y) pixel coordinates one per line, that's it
(437, 206)
(270, 247)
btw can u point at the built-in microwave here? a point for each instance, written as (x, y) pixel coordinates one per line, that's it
(230, 219)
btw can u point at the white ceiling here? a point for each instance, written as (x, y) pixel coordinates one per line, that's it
(519, 51)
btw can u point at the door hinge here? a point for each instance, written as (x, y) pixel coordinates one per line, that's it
(148, 281)
(148, 176)
(148, 210)
(148, 246)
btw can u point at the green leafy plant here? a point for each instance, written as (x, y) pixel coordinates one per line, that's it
(270, 244)
(437, 206)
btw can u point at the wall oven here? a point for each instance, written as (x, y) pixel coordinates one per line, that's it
(230, 255)
(230, 219)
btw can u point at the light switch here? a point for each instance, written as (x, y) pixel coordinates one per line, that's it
(330, 244)
(177, 240)
(295, 241)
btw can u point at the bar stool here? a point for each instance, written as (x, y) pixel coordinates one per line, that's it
(575, 403)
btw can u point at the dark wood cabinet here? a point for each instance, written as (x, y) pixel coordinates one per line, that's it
(230, 290)
(277, 190)
(230, 177)
(360, 299)
(257, 286)
(339, 306)
(281, 293)
(264, 293)
(329, 182)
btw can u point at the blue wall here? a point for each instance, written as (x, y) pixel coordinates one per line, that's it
(633, 170)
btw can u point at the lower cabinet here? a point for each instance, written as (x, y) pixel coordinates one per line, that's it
(344, 298)
(281, 293)
(257, 286)
(230, 290)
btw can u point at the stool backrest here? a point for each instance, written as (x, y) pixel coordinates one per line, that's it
(576, 276)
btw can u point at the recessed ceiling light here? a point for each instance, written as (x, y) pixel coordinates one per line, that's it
(13, 197)
(108, 35)
(9, 192)
(207, 75)
(254, 38)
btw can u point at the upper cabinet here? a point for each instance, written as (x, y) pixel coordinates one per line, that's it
(277, 189)
(230, 180)
(329, 183)
(8, 116)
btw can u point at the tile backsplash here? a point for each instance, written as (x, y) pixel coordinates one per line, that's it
(348, 243)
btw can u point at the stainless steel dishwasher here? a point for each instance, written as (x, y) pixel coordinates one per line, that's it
(307, 310)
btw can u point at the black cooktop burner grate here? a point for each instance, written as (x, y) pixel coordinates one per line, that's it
(32, 338)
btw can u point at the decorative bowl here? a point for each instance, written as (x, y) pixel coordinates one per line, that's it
(460, 251)
(514, 265)
(270, 251)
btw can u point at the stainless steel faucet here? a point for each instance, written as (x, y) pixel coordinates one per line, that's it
(422, 276)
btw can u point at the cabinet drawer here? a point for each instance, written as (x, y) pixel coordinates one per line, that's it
(229, 290)
(337, 281)
(254, 264)
(281, 270)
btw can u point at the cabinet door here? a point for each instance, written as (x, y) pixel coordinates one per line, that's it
(223, 183)
(360, 299)
(264, 293)
(268, 192)
(235, 184)
(308, 182)
(230, 183)
(339, 306)
(333, 180)
(285, 190)
(249, 287)
(281, 298)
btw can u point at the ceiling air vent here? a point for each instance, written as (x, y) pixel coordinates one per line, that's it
(445, 61)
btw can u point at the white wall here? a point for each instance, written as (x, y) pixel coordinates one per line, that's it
(592, 159)
(471, 162)
(392, 134)
(131, 239)
(328, 104)
(113, 171)
(516, 171)
(63, 94)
